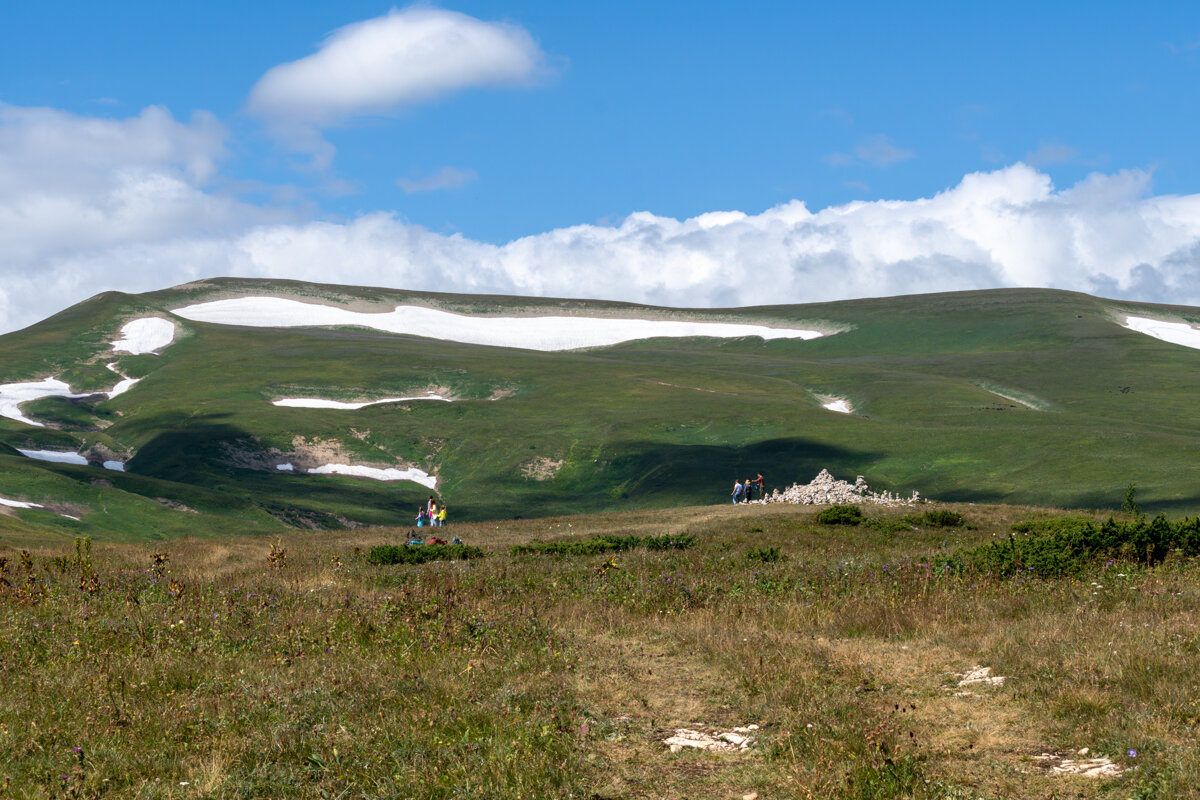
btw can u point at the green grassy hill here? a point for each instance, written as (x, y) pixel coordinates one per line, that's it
(1019, 396)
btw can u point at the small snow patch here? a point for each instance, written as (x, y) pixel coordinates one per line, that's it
(391, 474)
(316, 402)
(1099, 767)
(60, 456)
(4, 501)
(145, 335)
(286, 467)
(839, 404)
(527, 333)
(116, 466)
(1173, 332)
(732, 741)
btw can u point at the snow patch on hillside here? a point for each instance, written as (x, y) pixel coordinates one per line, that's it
(527, 333)
(58, 456)
(4, 501)
(1173, 332)
(145, 335)
(316, 402)
(411, 474)
(832, 402)
(12, 395)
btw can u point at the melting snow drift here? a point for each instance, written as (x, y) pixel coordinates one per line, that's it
(4, 501)
(839, 404)
(60, 456)
(528, 333)
(411, 474)
(12, 395)
(1173, 332)
(316, 402)
(145, 335)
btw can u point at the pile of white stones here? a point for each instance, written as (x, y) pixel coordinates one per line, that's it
(828, 490)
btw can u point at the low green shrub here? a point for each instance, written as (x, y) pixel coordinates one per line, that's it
(385, 554)
(888, 525)
(767, 555)
(840, 515)
(606, 544)
(937, 518)
(1068, 545)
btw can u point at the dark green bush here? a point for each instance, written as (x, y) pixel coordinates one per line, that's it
(840, 515)
(767, 555)
(420, 553)
(1068, 545)
(606, 544)
(938, 518)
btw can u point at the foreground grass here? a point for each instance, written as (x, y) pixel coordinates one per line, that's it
(250, 668)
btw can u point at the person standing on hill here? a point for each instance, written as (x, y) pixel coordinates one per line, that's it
(442, 516)
(748, 490)
(737, 491)
(762, 486)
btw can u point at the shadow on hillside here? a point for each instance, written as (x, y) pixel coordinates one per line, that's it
(671, 473)
(184, 448)
(195, 453)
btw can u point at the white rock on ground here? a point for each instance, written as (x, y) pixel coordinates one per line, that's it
(1089, 767)
(528, 333)
(980, 675)
(733, 741)
(827, 490)
(145, 335)
(315, 402)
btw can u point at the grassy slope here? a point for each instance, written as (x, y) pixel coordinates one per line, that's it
(234, 670)
(646, 424)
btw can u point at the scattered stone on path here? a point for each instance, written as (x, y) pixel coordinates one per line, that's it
(977, 675)
(733, 741)
(1098, 767)
(828, 490)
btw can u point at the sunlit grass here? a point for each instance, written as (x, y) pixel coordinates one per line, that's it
(255, 668)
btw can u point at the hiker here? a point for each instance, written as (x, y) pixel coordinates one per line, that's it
(762, 486)
(746, 493)
(421, 516)
(737, 491)
(442, 516)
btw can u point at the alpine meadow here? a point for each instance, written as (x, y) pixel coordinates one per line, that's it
(211, 582)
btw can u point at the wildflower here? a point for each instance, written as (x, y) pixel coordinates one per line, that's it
(1131, 752)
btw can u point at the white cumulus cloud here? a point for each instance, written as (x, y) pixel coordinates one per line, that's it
(93, 205)
(405, 57)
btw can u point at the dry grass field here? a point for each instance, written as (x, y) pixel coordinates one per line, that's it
(257, 668)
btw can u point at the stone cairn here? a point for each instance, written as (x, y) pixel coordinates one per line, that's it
(828, 490)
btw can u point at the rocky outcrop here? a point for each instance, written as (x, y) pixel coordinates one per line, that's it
(828, 490)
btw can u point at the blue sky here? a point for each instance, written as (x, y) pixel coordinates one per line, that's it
(675, 109)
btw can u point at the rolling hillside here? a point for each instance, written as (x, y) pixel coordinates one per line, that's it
(1020, 396)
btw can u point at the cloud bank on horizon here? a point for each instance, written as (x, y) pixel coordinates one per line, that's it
(90, 204)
